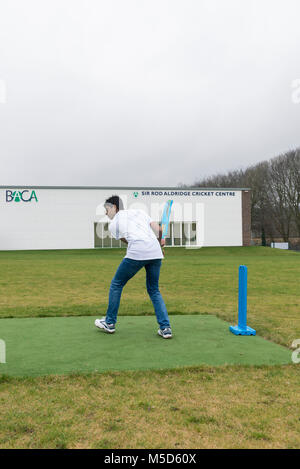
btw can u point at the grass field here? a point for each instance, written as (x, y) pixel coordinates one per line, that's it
(204, 406)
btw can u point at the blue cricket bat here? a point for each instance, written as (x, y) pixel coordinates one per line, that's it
(166, 218)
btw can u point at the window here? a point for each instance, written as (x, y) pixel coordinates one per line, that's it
(182, 234)
(177, 234)
(169, 237)
(103, 238)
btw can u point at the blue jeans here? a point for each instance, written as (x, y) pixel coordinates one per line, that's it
(126, 270)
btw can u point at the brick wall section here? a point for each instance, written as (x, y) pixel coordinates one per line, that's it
(246, 217)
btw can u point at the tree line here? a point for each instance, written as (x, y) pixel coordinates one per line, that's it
(275, 189)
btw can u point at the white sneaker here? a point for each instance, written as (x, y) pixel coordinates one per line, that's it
(102, 324)
(166, 333)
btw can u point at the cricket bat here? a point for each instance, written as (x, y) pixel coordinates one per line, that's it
(165, 220)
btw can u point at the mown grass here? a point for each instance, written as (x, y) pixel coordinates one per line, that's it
(202, 407)
(222, 407)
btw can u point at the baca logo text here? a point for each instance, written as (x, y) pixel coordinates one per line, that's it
(20, 196)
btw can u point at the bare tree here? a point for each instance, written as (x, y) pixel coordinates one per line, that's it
(278, 187)
(292, 160)
(262, 221)
(275, 193)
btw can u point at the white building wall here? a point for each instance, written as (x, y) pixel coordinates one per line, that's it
(63, 218)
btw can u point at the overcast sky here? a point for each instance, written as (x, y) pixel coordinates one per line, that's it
(145, 92)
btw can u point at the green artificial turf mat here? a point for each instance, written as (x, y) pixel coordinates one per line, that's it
(63, 345)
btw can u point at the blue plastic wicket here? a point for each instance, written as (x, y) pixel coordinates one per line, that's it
(242, 328)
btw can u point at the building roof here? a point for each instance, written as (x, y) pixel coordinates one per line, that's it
(130, 188)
